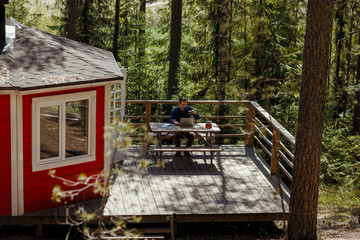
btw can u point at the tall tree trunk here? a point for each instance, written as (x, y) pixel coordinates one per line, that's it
(116, 30)
(126, 36)
(141, 46)
(338, 81)
(348, 57)
(86, 22)
(223, 55)
(260, 82)
(142, 28)
(223, 49)
(229, 57)
(356, 118)
(72, 9)
(216, 34)
(304, 188)
(247, 84)
(349, 45)
(175, 45)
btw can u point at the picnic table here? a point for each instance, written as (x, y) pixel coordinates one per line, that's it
(206, 135)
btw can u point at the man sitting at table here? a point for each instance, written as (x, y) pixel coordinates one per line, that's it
(183, 111)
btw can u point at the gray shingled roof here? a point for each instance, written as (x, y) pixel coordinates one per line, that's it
(40, 60)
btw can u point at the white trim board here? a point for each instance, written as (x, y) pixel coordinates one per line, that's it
(14, 155)
(20, 157)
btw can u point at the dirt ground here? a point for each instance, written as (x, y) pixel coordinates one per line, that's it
(338, 225)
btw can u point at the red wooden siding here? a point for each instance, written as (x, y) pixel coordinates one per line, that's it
(38, 185)
(5, 156)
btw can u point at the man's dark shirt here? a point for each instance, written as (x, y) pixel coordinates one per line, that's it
(177, 113)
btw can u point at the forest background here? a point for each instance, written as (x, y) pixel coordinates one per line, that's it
(251, 51)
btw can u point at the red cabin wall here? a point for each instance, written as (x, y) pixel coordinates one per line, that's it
(5, 156)
(38, 185)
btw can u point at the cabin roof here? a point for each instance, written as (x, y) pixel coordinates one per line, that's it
(40, 60)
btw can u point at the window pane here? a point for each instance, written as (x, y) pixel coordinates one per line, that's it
(77, 128)
(49, 132)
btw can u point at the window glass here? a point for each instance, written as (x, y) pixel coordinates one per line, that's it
(49, 132)
(76, 128)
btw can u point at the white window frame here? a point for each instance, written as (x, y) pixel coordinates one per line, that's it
(56, 162)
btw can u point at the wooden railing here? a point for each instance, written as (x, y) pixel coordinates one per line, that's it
(275, 141)
(257, 127)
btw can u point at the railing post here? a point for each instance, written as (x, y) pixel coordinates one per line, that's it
(148, 116)
(275, 151)
(250, 125)
(123, 92)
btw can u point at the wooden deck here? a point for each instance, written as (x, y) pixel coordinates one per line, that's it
(236, 187)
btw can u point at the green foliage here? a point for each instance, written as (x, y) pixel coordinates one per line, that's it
(340, 155)
(18, 9)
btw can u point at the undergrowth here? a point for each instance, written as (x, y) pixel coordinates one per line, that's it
(338, 198)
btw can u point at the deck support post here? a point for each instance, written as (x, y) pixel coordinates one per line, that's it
(275, 151)
(38, 229)
(250, 125)
(148, 116)
(171, 220)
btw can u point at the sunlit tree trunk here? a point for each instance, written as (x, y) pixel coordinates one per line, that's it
(72, 9)
(175, 45)
(304, 187)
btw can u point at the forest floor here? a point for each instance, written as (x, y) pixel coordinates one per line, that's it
(339, 225)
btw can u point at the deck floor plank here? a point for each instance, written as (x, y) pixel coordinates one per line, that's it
(205, 183)
(170, 187)
(203, 187)
(243, 184)
(174, 173)
(186, 183)
(224, 200)
(159, 192)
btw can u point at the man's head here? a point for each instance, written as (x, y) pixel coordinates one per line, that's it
(183, 103)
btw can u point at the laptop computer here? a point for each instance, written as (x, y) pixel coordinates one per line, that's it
(186, 122)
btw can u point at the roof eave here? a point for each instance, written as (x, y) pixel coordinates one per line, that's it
(96, 82)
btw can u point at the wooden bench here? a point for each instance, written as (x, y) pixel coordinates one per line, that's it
(204, 149)
(151, 135)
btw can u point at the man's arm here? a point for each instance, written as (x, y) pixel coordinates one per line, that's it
(196, 115)
(173, 117)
